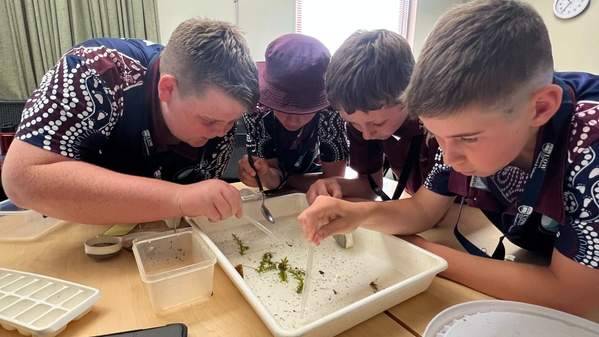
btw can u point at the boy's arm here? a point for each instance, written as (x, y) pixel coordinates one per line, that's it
(328, 216)
(563, 285)
(78, 191)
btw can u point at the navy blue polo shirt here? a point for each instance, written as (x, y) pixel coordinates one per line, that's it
(99, 104)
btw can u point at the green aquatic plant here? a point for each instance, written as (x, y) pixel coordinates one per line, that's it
(240, 245)
(283, 268)
(299, 276)
(266, 264)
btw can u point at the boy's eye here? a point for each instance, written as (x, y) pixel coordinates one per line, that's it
(468, 139)
(207, 122)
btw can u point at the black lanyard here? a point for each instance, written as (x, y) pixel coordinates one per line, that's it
(148, 152)
(532, 189)
(159, 166)
(412, 158)
(297, 147)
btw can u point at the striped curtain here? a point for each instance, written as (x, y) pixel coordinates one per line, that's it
(35, 33)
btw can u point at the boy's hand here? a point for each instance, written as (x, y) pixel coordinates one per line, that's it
(214, 199)
(247, 175)
(328, 216)
(327, 187)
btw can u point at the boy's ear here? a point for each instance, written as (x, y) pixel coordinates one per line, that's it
(167, 84)
(546, 102)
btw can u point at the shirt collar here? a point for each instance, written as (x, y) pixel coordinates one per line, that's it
(409, 128)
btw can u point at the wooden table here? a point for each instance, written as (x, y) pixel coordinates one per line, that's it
(124, 304)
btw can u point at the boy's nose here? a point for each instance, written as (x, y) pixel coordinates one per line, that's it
(451, 155)
(369, 133)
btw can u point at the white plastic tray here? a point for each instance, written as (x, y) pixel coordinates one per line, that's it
(507, 319)
(38, 305)
(341, 295)
(17, 224)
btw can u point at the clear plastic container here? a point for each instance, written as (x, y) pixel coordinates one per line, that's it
(177, 270)
(18, 224)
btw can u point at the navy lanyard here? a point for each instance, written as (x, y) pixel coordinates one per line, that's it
(412, 158)
(148, 152)
(297, 145)
(532, 189)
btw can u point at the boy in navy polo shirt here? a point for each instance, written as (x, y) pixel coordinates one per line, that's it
(517, 140)
(125, 130)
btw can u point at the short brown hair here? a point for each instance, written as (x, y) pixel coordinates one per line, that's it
(202, 53)
(371, 69)
(487, 52)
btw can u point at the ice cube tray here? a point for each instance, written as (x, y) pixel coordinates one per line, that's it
(38, 305)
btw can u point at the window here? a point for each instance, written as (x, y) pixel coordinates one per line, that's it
(332, 21)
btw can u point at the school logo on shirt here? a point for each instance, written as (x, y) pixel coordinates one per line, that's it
(543, 158)
(148, 144)
(523, 213)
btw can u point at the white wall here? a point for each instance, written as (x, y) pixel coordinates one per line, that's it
(264, 20)
(427, 13)
(575, 42)
(261, 20)
(172, 12)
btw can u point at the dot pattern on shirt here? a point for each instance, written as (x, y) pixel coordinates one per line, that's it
(79, 99)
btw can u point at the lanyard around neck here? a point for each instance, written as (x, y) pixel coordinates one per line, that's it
(533, 187)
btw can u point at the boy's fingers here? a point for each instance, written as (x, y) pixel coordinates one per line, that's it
(248, 180)
(316, 189)
(222, 206)
(310, 195)
(308, 226)
(212, 213)
(244, 167)
(335, 191)
(233, 198)
(322, 189)
(261, 165)
(337, 226)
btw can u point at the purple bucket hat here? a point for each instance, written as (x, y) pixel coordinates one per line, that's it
(292, 77)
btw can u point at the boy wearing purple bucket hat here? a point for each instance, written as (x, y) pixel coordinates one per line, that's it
(364, 80)
(293, 134)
